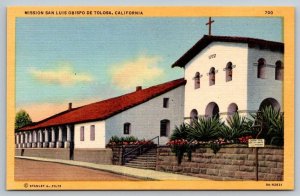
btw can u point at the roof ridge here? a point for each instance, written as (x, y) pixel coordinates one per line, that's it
(207, 39)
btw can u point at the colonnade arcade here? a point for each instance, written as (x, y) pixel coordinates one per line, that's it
(53, 137)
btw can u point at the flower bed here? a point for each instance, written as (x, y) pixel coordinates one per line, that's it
(181, 146)
(130, 140)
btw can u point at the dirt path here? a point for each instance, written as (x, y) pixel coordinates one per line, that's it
(37, 170)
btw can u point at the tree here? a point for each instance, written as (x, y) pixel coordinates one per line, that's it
(22, 119)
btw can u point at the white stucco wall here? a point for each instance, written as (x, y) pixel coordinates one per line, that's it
(223, 93)
(260, 89)
(87, 143)
(145, 118)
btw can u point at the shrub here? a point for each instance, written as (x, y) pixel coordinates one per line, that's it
(180, 132)
(128, 140)
(205, 129)
(270, 124)
(237, 126)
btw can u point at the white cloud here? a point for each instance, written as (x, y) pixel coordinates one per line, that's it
(136, 72)
(64, 75)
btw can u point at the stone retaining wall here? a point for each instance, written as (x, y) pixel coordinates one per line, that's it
(51, 153)
(229, 163)
(99, 156)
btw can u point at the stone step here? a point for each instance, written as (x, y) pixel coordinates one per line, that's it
(150, 153)
(141, 167)
(146, 158)
(142, 162)
(146, 154)
(152, 150)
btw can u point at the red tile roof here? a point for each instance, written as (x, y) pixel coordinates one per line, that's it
(106, 108)
(207, 39)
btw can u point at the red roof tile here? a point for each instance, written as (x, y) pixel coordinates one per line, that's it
(207, 39)
(106, 108)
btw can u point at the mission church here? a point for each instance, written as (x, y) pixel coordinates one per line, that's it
(222, 75)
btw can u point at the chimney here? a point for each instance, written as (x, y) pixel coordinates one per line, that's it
(138, 88)
(70, 106)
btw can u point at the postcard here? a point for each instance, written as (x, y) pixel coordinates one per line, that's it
(150, 98)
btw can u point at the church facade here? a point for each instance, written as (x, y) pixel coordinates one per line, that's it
(231, 74)
(222, 75)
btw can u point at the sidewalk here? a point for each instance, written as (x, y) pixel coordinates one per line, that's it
(127, 171)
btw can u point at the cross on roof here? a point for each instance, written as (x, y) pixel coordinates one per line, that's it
(209, 25)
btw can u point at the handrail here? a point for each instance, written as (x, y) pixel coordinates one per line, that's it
(135, 149)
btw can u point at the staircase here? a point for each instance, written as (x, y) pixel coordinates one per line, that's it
(147, 160)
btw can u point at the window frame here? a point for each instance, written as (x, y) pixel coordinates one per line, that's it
(229, 69)
(92, 133)
(279, 70)
(197, 80)
(261, 68)
(166, 101)
(212, 76)
(127, 128)
(81, 133)
(166, 129)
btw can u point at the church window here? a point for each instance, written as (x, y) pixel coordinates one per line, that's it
(212, 76)
(278, 70)
(197, 80)
(92, 133)
(228, 72)
(166, 103)
(232, 109)
(164, 128)
(82, 133)
(212, 110)
(127, 128)
(261, 68)
(193, 116)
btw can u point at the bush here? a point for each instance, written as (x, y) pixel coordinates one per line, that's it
(180, 132)
(128, 140)
(205, 129)
(237, 126)
(270, 124)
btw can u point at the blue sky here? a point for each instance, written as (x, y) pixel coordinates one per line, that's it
(61, 60)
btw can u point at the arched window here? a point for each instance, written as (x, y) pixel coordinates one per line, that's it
(193, 116)
(127, 128)
(279, 70)
(212, 78)
(270, 102)
(232, 109)
(164, 128)
(228, 72)
(197, 80)
(212, 110)
(261, 68)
